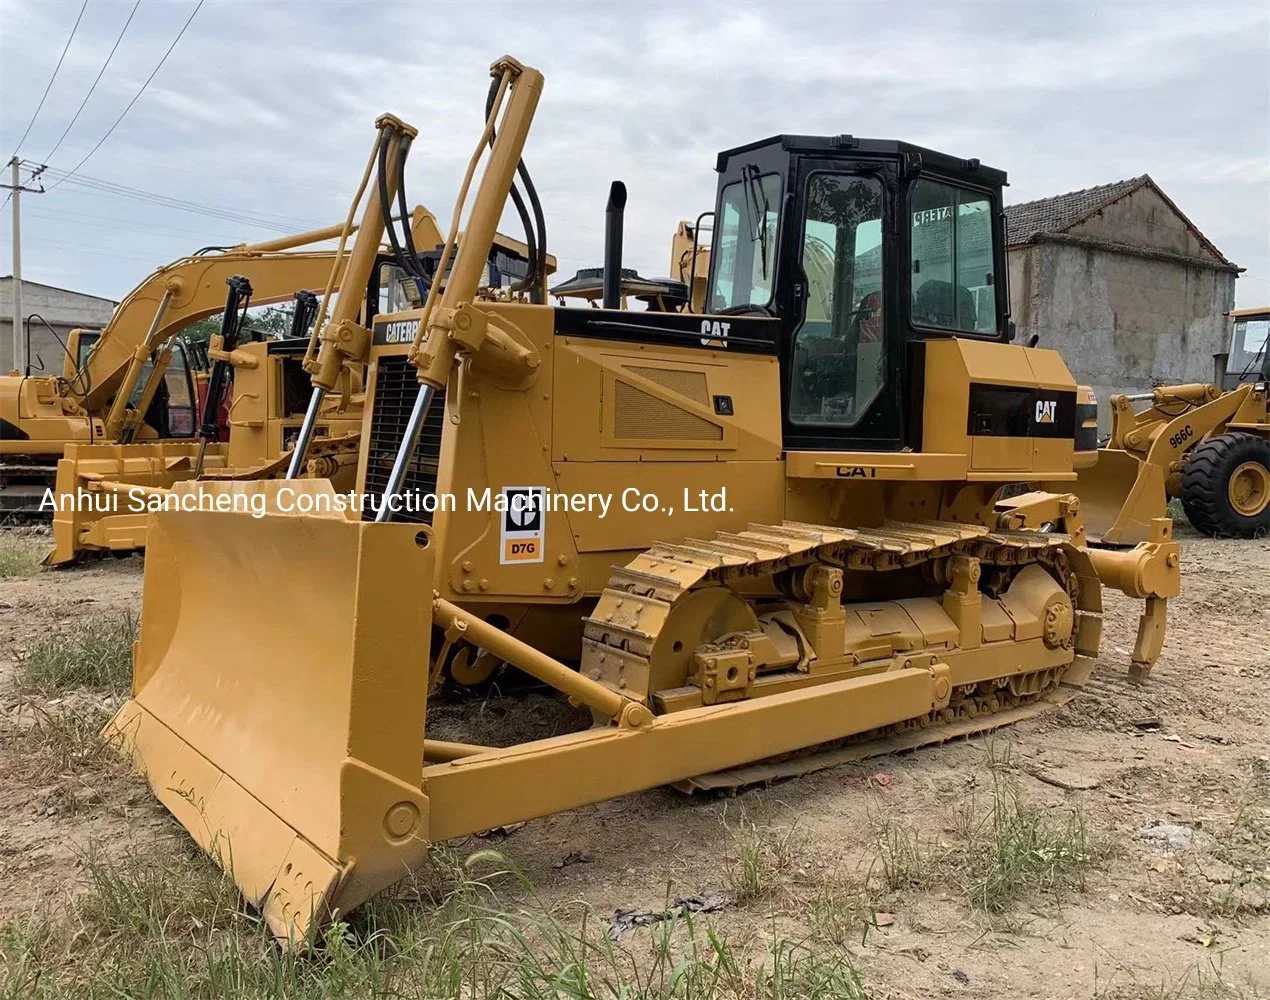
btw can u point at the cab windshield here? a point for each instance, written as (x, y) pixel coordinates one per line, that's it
(745, 249)
(1248, 346)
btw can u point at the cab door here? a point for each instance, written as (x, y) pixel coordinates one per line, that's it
(840, 386)
(181, 397)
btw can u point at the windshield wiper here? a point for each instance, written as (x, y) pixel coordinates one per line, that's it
(754, 190)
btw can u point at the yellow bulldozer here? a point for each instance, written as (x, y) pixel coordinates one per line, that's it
(1205, 444)
(752, 541)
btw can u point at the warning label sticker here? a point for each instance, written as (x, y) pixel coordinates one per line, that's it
(524, 524)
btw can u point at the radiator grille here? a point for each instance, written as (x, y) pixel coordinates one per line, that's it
(686, 383)
(396, 386)
(637, 414)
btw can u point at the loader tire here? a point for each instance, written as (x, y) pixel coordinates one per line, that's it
(1226, 486)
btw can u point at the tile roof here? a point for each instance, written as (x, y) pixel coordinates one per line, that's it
(1046, 216)
(1060, 212)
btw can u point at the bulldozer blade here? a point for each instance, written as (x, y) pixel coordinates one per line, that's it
(279, 695)
(1119, 496)
(102, 491)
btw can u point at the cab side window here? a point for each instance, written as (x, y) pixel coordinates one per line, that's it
(179, 394)
(838, 366)
(954, 286)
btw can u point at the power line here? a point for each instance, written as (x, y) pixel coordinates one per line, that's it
(57, 145)
(56, 69)
(125, 111)
(99, 187)
(85, 219)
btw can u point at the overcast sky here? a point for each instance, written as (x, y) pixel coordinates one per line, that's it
(267, 108)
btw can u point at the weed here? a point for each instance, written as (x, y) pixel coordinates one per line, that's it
(20, 555)
(1245, 847)
(763, 852)
(1202, 981)
(998, 752)
(164, 893)
(93, 653)
(904, 858)
(42, 745)
(797, 972)
(1015, 849)
(1001, 854)
(839, 916)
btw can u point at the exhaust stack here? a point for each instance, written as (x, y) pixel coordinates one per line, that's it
(613, 217)
(1220, 361)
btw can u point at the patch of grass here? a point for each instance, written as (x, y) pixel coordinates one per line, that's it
(43, 744)
(1002, 853)
(1016, 849)
(20, 555)
(840, 916)
(1245, 846)
(762, 853)
(95, 653)
(904, 859)
(167, 926)
(164, 892)
(1202, 981)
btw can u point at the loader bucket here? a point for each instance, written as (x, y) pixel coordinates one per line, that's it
(1120, 496)
(279, 693)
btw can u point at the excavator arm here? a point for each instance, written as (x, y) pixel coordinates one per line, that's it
(172, 298)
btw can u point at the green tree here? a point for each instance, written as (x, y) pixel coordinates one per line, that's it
(271, 322)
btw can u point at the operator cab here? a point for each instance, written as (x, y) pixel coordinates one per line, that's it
(863, 249)
(1248, 360)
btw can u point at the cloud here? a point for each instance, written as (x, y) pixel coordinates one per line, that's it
(268, 108)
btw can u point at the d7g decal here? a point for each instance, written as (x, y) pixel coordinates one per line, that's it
(524, 524)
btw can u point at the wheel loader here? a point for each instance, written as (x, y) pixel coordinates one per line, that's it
(1205, 444)
(752, 541)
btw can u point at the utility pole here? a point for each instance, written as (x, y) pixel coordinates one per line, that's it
(15, 190)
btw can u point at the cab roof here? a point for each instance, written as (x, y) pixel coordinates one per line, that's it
(841, 144)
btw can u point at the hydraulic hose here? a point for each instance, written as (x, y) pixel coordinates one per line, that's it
(536, 232)
(540, 272)
(406, 263)
(408, 238)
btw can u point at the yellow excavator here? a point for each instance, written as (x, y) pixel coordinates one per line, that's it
(120, 384)
(1205, 444)
(103, 492)
(752, 541)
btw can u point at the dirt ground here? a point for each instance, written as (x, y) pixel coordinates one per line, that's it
(1173, 778)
